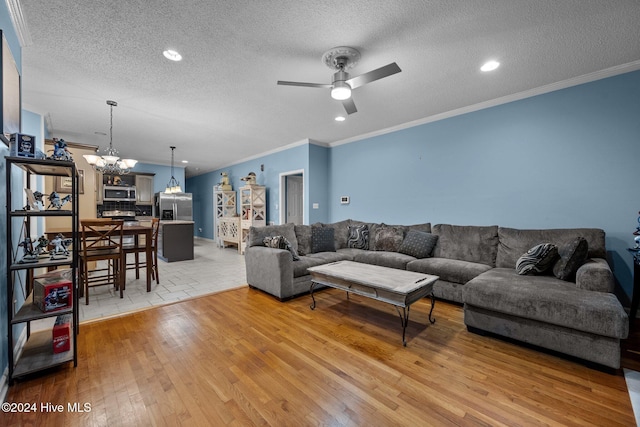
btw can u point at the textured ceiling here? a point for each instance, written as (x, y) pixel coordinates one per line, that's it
(221, 104)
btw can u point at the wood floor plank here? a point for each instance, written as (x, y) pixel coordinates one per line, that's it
(241, 358)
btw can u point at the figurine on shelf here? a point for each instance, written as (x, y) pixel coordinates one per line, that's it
(60, 245)
(224, 184)
(41, 248)
(60, 151)
(27, 248)
(38, 198)
(56, 202)
(250, 179)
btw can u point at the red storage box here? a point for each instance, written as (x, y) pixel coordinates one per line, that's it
(62, 334)
(52, 293)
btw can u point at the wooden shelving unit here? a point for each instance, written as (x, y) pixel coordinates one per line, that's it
(253, 210)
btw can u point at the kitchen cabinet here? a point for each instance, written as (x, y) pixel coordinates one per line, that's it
(144, 189)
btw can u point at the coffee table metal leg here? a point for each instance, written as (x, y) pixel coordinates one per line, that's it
(313, 304)
(404, 320)
(433, 303)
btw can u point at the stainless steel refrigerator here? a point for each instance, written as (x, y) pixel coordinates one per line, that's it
(176, 206)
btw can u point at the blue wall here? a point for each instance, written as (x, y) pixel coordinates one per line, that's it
(12, 39)
(563, 159)
(162, 175)
(296, 158)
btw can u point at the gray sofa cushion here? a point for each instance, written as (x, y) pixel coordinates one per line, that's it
(514, 242)
(547, 299)
(340, 233)
(418, 244)
(450, 270)
(572, 256)
(320, 258)
(385, 259)
(303, 235)
(257, 234)
(537, 260)
(468, 243)
(595, 275)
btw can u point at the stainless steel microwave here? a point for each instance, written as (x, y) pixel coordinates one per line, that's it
(113, 193)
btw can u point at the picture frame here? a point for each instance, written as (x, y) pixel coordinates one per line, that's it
(63, 183)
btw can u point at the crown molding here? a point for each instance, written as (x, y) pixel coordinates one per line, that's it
(575, 81)
(19, 23)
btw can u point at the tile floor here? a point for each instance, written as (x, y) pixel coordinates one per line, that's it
(213, 269)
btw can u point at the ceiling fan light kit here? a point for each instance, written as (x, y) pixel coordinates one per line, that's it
(341, 59)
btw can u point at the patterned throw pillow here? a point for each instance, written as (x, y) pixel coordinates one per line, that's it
(418, 244)
(322, 239)
(572, 256)
(280, 242)
(358, 236)
(389, 238)
(537, 260)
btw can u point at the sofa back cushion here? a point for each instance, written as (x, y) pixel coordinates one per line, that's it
(257, 234)
(513, 242)
(468, 243)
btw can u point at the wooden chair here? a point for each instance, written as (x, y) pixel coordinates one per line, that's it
(101, 241)
(136, 249)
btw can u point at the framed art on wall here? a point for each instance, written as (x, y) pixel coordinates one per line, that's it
(63, 183)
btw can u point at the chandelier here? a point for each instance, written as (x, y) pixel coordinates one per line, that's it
(109, 162)
(173, 186)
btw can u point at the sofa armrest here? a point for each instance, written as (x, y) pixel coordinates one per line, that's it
(595, 275)
(270, 270)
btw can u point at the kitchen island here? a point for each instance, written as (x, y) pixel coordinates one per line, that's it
(175, 241)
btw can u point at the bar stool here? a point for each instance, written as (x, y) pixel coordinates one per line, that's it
(101, 241)
(136, 249)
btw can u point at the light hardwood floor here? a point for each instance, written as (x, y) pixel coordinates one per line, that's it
(242, 358)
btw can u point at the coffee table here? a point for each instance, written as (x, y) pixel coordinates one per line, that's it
(400, 288)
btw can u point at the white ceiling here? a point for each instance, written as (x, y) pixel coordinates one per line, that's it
(221, 104)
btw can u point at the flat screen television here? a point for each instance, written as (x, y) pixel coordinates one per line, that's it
(9, 93)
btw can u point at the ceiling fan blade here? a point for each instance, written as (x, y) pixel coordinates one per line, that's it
(320, 85)
(374, 75)
(349, 106)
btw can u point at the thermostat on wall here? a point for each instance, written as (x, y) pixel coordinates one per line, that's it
(344, 200)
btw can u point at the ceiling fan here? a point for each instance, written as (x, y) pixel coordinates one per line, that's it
(341, 59)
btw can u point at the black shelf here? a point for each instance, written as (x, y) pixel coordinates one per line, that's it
(29, 312)
(43, 166)
(34, 213)
(37, 352)
(43, 263)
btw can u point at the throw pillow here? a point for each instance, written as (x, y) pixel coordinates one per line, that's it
(389, 238)
(322, 239)
(418, 244)
(358, 236)
(537, 260)
(572, 256)
(281, 242)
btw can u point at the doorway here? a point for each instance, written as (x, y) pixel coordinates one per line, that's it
(292, 197)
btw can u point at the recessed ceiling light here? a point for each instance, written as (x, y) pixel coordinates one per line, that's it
(340, 119)
(490, 66)
(172, 55)
(185, 161)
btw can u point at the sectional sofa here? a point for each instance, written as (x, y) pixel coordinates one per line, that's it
(576, 314)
